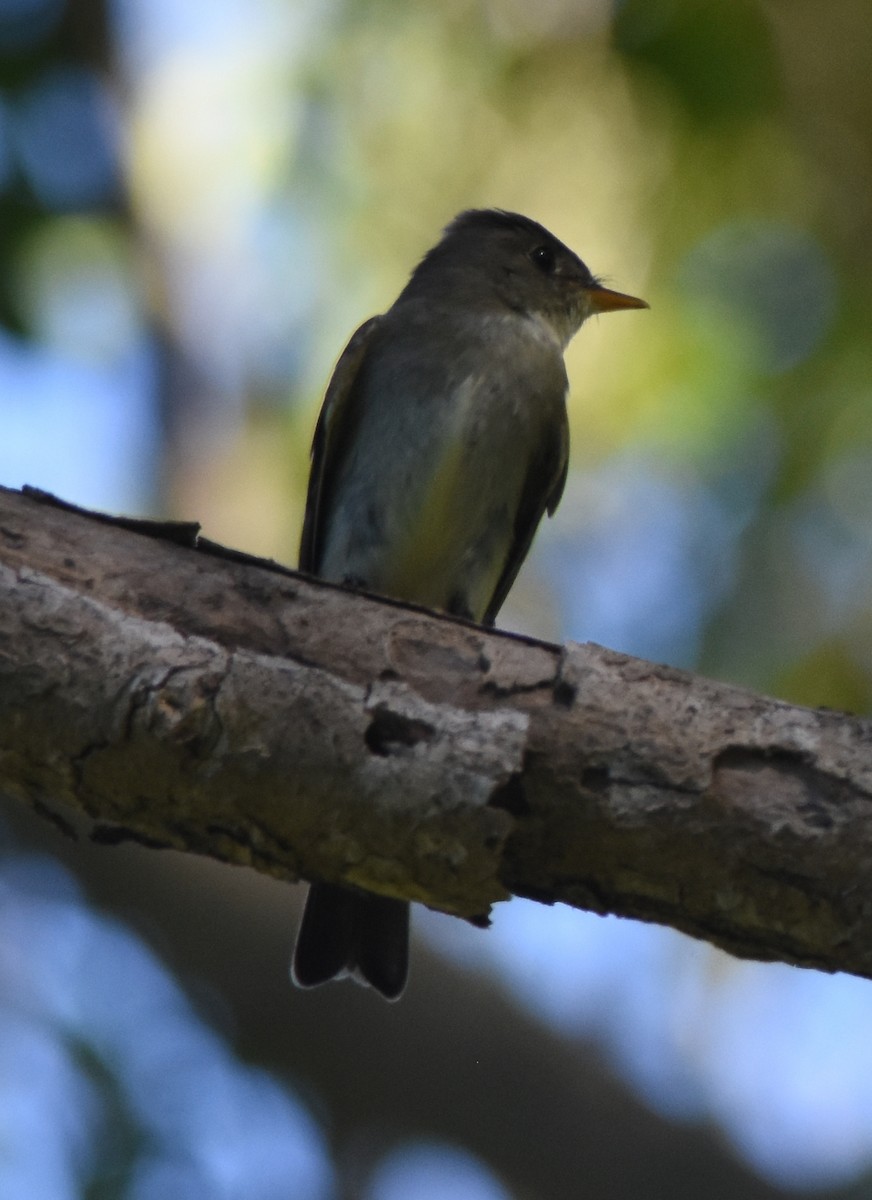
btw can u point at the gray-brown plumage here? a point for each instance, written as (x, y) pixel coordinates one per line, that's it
(442, 441)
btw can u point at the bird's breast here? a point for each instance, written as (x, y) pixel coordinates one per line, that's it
(426, 503)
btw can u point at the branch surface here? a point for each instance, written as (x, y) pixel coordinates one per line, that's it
(205, 700)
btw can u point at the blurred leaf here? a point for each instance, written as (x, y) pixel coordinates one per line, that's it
(828, 677)
(718, 58)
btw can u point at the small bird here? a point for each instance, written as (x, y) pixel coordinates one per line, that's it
(442, 441)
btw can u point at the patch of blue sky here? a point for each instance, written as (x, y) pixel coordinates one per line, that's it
(651, 552)
(84, 431)
(433, 1171)
(96, 1037)
(788, 1065)
(586, 975)
(779, 1056)
(150, 31)
(64, 136)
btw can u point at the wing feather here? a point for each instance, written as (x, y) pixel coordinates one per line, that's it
(542, 490)
(333, 433)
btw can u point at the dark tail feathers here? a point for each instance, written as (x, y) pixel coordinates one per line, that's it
(345, 932)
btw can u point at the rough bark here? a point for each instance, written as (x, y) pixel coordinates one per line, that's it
(219, 704)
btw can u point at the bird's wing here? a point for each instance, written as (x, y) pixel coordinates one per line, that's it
(543, 487)
(333, 431)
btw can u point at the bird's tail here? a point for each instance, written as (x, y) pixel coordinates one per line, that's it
(345, 932)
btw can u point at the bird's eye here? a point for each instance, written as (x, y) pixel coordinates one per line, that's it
(543, 258)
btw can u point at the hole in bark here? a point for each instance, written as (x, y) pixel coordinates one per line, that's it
(595, 779)
(389, 731)
(511, 797)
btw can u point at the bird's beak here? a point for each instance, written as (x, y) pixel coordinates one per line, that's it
(603, 299)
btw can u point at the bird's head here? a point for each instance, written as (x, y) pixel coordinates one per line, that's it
(491, 255)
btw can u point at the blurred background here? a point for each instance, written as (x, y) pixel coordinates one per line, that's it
(199, 201)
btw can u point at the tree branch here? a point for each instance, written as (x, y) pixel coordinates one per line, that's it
(212, 702)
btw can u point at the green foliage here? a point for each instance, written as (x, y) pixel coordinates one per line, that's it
(718, 60)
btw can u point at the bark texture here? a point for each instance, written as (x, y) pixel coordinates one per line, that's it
(203, 700)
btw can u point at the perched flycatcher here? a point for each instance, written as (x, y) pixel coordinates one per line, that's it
(442, 440)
